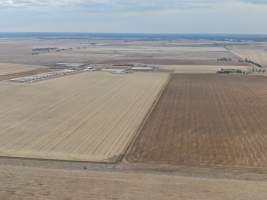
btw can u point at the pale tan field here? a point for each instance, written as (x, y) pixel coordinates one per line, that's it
(256, 53)
(201, 69)
(47, 184)
(8, 68)
(84, 117)
(114, 52)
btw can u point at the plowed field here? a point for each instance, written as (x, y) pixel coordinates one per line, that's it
(207, 120)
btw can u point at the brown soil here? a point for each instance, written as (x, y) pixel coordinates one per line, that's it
(207, 120)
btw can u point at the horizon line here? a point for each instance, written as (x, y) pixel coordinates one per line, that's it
(137, 33)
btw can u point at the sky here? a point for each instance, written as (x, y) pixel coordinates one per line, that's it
(134, 16)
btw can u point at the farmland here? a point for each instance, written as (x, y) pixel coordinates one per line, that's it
(99, 128)
(7, 68)
(9, 71)
(207, 120)
(114, 52)
(201, 69)
(83, 117)
(254, 52)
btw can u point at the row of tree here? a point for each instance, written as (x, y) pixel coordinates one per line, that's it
(253, 63)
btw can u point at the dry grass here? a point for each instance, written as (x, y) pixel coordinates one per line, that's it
(85, 117)
(7, 68)
(207, 120)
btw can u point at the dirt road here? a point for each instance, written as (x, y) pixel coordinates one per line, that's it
(47, 184)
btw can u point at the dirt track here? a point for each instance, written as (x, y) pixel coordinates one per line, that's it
(46, 184)
(207, 120)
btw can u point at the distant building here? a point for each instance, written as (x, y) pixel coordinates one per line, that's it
(116, 71)
(71, 65)
(142, 68)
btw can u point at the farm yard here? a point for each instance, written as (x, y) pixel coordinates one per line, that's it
(83, 117)
(207, 120)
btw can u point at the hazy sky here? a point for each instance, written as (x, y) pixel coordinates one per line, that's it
(134, 16)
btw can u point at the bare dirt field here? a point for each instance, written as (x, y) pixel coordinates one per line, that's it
(8, 68)
(207, 120)
(44, 184)
(87, 117)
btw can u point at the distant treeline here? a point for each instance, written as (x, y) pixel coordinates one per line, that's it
(44, 49)
(224, 59)
(253, 63)
(139, 36)
(37, 51)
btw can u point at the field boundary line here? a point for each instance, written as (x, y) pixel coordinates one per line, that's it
(11, 157)
(123, 157)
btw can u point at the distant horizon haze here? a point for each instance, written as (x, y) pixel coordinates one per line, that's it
(134, 16)
(137, 36)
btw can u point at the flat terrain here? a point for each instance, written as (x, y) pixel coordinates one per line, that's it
(8, 68)
(26, 73)
(253, 52)
(43, 184)
(86, 117)
(146, 136)
(201, 69)
(113, 52)
(9, 71)
(207, 120)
